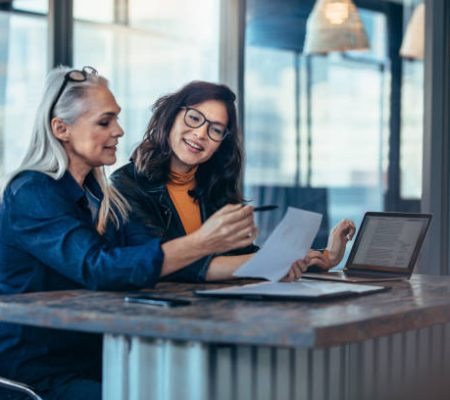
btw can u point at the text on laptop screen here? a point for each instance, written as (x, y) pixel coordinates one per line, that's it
(389, 242)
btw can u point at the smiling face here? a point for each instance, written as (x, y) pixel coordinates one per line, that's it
(91, 141)
(192, 146)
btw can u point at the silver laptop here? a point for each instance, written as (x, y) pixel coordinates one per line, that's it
(386, 248)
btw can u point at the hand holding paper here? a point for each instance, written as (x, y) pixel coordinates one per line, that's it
(290, 241)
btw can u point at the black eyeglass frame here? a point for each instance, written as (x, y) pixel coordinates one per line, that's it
(74, 75)
(205, 120)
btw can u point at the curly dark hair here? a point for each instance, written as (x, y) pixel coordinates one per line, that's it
(218, 179)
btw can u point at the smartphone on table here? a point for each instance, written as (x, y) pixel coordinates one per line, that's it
(155, 300)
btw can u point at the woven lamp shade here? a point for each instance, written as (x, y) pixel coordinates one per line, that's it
(413, 41)
(334, 25)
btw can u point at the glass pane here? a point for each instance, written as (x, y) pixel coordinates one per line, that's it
(412, 130)
(411, 138)
(98, 10)
(146, 62)
(189, 21)
(23, 54)
(40, 6)
(347, 135)
(270, 117)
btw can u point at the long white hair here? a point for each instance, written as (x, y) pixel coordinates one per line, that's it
(45, 152)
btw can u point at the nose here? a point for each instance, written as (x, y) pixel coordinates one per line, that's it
(202, 131)
(118, 131)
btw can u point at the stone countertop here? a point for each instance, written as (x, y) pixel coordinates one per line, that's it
(414, 304)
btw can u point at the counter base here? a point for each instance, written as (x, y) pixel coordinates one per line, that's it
(395, 366)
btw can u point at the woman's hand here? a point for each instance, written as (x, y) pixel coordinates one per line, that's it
(229, 228)
(297, 268)
(332, 255)
(319, 259)
(341, 234)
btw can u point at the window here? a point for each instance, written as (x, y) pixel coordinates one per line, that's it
(23, 51)
(161, 47)
(412, 130)
(38, 6)
(102, 11)
(317, 128)
(270, 141)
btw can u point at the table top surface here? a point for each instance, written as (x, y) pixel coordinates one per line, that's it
(420, 302)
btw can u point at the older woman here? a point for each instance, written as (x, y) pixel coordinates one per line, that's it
(54, 214)
(187, 167)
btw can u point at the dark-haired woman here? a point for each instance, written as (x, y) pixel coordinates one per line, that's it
(187, 167)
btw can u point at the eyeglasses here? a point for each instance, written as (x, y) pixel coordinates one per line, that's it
(195, 119)
(74, 75)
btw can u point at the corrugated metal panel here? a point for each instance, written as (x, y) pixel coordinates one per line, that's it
(116, 350)
(382, 368)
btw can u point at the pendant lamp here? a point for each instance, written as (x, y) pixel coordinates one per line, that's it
(334, 25)
(413, 41)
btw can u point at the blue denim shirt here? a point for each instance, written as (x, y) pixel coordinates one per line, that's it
(49, 242)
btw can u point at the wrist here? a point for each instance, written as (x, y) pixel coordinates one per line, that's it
(220, 269)
(197, 245)
(334, 256)
(331, 261)
(223, 267)
(181, 252)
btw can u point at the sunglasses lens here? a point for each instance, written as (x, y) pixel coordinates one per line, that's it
(77, 76)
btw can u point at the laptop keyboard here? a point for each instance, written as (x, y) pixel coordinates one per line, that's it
(371, 274)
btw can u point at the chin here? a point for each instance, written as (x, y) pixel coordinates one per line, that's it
(190, 162)
(109, 161)
(194, 164)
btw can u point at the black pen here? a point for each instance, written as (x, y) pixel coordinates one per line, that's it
(265, 208)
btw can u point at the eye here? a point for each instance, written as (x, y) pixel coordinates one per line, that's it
(217, 131)
(104, 123)
(194, 118)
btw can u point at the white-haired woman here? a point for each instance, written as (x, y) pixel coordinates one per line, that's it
(54, 212)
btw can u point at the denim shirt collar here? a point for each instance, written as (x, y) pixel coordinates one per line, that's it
(74, 192)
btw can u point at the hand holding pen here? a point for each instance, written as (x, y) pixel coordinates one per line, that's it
(229, 228)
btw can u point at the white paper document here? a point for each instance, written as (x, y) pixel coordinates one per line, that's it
(290, 240)
(302, 289)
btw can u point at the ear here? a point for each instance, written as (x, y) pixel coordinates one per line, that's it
(60, 129)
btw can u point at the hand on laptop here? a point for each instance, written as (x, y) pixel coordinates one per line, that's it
(341, 234)
(332, 255)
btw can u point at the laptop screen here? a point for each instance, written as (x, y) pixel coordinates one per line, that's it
(389, 242)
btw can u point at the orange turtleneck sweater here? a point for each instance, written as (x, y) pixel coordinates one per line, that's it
(188, 209)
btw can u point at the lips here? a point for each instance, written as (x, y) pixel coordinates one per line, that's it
(193, 145)
(113, 147)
